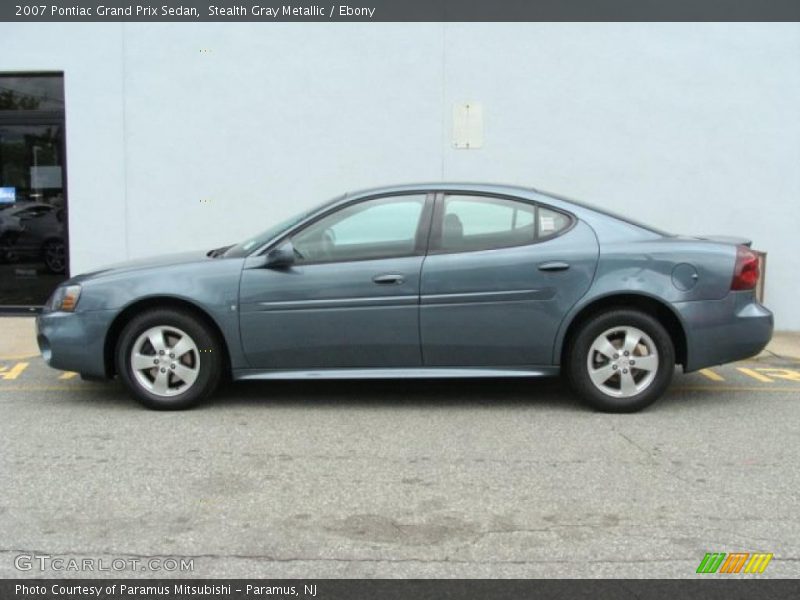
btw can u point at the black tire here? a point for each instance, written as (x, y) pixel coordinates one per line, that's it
(578, 357)
(8, 253)
(54, 256)
(207, 360)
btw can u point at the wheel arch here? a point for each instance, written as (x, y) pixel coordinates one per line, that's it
(655, 307)
(139, 306)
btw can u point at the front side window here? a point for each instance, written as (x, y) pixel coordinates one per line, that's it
(378, 228)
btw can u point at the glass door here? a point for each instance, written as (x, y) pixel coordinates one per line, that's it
(33, 223)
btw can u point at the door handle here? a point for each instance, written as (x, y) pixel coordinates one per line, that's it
(389, 279)
(554, 266)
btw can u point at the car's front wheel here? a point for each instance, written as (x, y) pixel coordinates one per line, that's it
(621, 361)
(55, 256)
(168, 359)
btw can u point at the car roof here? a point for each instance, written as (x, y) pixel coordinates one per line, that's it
(452, 186)
(593, 214)
(23, 205)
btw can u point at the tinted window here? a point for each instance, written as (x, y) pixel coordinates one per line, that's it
(380, 228)
(32, 92)
(34, 211)
(482, 223)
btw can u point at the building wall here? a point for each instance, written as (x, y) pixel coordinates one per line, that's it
(192, 136)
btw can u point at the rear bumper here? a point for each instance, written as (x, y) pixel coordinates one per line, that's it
(74, 341)
(723, 331)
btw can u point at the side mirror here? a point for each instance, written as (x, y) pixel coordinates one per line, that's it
(280, 257)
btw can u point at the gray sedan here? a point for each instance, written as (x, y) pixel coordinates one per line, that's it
(438, 280)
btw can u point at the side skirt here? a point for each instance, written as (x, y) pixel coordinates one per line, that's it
(410, 373)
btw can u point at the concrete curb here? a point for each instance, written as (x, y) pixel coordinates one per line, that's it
(17, 338)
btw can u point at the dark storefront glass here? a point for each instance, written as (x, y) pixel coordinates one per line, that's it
(33, 223)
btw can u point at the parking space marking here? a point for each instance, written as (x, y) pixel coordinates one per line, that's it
(734, 388)
(80, 386)
(44, 388)
(755, 374)
(728, 378)
(787, 374)
(711, 375)
(14, 372)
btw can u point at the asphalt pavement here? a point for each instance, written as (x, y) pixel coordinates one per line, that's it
(467, 478)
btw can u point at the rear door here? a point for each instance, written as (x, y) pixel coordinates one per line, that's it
(500, 275)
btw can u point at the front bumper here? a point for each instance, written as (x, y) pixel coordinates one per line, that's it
(74, 341)
(726, 330)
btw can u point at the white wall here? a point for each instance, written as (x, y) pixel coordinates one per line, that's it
(692, 127)
(91, 57)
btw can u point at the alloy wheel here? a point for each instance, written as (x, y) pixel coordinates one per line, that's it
(622, 362)
(54, 257)
(165, 361)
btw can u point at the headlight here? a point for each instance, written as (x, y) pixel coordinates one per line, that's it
(65, 298)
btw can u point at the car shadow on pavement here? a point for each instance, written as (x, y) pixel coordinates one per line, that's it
(549, 392)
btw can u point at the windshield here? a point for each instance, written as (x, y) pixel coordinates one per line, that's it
(246, 247)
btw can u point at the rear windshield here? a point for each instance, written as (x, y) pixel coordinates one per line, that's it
(609, 213)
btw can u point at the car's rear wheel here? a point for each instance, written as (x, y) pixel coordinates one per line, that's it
(621, 361)
(8, 252)
(168, 359)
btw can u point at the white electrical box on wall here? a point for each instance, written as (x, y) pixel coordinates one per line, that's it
(467, 125)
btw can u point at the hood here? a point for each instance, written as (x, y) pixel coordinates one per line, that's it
(166, 260)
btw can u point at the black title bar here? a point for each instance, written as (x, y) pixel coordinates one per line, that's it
(399, 10)
(730, 588)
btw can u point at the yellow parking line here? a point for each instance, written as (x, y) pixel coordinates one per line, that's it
(787, 374)
(14, 372)
(68, 375)
(755, 375)
(43, 388)
(711, 375)
(731, 388)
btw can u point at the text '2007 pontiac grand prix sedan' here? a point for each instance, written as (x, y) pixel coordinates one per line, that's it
(440, 280)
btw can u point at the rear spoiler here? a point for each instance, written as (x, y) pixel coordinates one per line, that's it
(726, 239)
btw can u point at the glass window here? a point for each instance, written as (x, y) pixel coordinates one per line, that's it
(483, 223)
(380, 228)
(551, 222)
(32, 92)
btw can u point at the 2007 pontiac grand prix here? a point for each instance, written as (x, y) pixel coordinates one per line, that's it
(440, 280)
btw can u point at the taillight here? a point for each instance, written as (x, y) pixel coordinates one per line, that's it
(745, 274)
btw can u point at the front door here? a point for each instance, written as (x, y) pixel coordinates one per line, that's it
(500, 276)
(351, 298)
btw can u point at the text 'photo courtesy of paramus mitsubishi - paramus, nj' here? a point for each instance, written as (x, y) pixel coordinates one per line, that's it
(434, 280)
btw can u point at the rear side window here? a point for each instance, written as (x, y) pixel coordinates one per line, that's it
(551, 222)
(472, 223)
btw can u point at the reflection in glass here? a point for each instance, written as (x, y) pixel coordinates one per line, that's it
(33, 224)
(37, 92)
